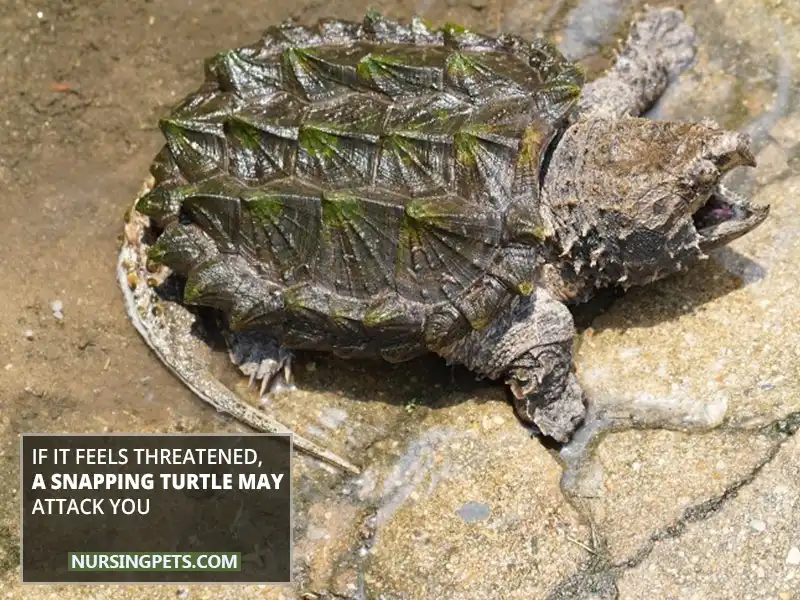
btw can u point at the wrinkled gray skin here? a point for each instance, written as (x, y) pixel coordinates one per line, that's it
(649, 192)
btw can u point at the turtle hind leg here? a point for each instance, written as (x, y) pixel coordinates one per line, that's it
(167, 327)
(262, 359)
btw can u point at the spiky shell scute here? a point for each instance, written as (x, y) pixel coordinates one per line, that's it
(344, 183)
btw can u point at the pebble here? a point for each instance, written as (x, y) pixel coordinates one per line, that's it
(758, 525)
(57, 306)
(793, 558)
(28, 333)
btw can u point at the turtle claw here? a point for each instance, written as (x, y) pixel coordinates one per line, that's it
(261, 359)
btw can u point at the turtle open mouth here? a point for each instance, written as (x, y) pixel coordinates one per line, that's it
(726, 216)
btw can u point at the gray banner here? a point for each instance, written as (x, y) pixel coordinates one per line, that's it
(156, 494)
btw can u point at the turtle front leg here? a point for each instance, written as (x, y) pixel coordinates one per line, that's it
(530, 345)
(660, 45)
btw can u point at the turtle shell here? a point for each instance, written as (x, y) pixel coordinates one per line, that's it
(364, 188)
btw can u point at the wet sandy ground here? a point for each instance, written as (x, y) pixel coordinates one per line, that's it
(83, 84)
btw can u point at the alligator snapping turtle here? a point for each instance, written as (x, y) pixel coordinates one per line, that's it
(388, 189)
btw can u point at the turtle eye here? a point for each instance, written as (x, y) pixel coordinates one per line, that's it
(705, 174)
(698, 183)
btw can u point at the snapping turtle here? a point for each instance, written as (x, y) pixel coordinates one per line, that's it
(388, 189)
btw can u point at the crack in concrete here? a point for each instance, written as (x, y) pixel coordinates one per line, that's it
(784, 428)
(696, 513)
(598, 579)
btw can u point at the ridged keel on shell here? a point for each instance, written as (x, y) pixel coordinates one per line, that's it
(350, 185)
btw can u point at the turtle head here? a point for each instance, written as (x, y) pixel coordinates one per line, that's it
(633, 200)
